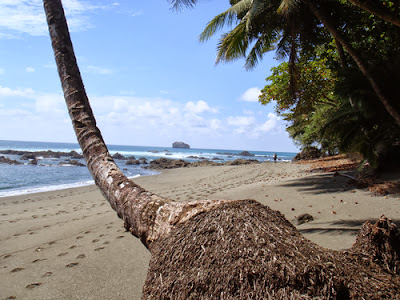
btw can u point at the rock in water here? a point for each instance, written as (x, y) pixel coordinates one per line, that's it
(245, 153)
(180, 145)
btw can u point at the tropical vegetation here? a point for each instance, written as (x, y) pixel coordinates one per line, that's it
(337, 81)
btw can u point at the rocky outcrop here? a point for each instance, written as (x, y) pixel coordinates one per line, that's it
(203, 163)
(143, 161)
(7, 161)
(181, 145)
(237, 162)
(132, 162)
(118, 156)
(308, 154)
(27, 157)
(245, 153)
(71, 163)
(75, 155)
(166, 163)
(33, 162)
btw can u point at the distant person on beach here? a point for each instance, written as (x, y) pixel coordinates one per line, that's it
(275, 157)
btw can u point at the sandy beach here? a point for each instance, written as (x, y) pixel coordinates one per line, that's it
(69, 244)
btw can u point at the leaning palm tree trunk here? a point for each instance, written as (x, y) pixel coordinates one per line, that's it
(322, 16)
(222, 249)
(132, 203)
(379, 11)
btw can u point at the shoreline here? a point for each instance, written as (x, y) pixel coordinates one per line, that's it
(70, 244)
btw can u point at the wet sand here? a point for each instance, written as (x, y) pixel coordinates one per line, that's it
(69, 244)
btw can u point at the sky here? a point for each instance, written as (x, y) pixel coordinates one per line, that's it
(149, 80)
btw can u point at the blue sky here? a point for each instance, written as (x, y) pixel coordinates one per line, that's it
(150, 81)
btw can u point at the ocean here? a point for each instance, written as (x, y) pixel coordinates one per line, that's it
(49, 175)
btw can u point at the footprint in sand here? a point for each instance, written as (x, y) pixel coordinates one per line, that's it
(72, 247)
(63, 254)
(95, 240)
(120, 237)
(98, 249)
(33, 285)
(16, 270)
(73, 264)
(79, 237)
(106, 243)
(52, 242)
(47, 274)
(81, 256)
(11, 297)
(38, 260)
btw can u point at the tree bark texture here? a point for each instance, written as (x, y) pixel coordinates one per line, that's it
(136, 206)
(322, 16)
(118, 189)
(220, 249)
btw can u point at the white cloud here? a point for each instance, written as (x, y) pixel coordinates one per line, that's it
(252, 128)
(251, 95)
(241, 121)
(98, 70)
(7, 92)
(27, 16)
(30, 69)
(273, 124)
(199, 107)
(26, 113)
(2, 71)
(49, 103)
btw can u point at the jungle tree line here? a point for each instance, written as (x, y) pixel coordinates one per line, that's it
(337, 84)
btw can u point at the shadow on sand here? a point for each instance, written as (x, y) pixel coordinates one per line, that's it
(322, 183)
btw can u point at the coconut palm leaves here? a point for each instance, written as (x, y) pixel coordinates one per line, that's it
(258, 29)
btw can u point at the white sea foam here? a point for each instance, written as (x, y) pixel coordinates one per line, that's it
(33, 190)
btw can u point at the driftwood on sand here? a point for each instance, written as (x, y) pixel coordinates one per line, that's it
(222, 249)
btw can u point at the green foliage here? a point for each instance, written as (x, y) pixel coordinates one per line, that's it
(338, 88)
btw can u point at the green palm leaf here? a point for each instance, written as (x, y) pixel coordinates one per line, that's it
(233, 44)
(228, 17)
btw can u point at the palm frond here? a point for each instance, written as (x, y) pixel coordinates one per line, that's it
(287, 5)
(227, 18)
(178, 4)
(263, 44)
(233, 44)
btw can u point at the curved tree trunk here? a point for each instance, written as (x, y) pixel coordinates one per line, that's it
(221, 249)
(136, 206)
(377, 11)
(319, 13)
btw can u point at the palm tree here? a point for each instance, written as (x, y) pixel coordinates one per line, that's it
(220, 249)
(259, 23)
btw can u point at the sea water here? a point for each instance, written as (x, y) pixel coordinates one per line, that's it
(49, 175)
